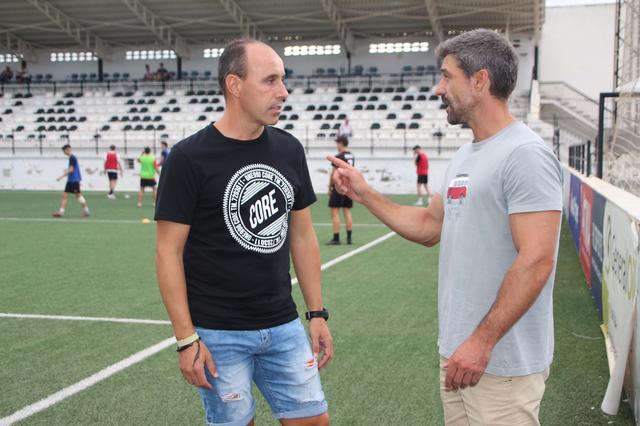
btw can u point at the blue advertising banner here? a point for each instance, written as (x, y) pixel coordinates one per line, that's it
(598, 203)
(574, 209)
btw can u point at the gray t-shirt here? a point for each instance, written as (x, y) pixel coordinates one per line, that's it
(510, 172)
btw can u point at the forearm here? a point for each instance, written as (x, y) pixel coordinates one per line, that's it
(413, 223)
(305, 254)
(173, 289)
(519, 290)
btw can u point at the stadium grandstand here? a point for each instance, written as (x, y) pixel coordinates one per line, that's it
(136, 73)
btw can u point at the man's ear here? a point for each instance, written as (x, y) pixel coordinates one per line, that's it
(481, 80)
(234, 84)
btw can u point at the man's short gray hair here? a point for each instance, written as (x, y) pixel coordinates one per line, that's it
(484, 49)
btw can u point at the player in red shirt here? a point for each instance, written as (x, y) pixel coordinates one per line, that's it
(112, 165)
(422, 169)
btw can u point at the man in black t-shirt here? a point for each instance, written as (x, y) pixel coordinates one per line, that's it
(338, 201)
(233, 202)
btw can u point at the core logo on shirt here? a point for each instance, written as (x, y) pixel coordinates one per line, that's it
(256, 208)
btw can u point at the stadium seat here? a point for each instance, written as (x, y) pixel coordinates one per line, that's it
(288, 126)
(397, 98)
(202, 118)
(208, 109)
(330, 117)
(416, 116)
(287, 108)
(311, 108)
(374, 126)
(414, 126)
(138, 127)
(61, 119)
(373, 98)
(391, 116)
(401, 126)
(382, 107)
(409, 98)
(51, 128)
(361, 99)
(282, 117)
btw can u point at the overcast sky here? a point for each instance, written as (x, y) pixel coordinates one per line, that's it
(551, 3)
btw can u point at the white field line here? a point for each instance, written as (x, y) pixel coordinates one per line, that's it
(347, 255)
(135, 358)
(86, 383)
(129, 221)
(75, 318)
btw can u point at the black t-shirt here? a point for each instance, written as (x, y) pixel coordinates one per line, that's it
(347, 157)
(236, 196)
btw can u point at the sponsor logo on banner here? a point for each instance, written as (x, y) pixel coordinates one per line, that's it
(619, 270)
(256, 208)
(574, 209)
(597, 247)
(585, 232)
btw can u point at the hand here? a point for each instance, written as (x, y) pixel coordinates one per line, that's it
(467, 364)
(321, 340)
(192, 364)
(348, 180)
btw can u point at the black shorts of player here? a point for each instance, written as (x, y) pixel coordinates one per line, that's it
(72, 187)
(147, 182)
(423, 179)
(112, 175)
(337, 200)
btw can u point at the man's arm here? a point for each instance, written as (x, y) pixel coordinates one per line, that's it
(171, 238)
(417, 224)
(66, 173)
(305, 254)
(535, 236)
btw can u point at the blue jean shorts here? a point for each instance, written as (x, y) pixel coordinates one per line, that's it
(280, 362)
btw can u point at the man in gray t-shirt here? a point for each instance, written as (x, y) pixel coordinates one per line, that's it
(497, 218)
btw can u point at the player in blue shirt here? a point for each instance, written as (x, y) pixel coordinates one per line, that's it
(73, 185)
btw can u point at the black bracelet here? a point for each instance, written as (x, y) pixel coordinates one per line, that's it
(188, 345)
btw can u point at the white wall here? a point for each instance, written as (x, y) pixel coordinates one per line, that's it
(577, 46)
(389, 174)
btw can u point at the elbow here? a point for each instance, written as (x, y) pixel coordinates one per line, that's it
(431, 242)
(543, 268)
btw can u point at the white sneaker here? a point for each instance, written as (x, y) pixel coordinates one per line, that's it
(111, 196)
(419, 202)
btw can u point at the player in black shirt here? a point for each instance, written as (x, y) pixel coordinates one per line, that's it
(338, 201)
(233, 202)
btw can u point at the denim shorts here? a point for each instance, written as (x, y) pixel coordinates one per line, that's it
(280, 362)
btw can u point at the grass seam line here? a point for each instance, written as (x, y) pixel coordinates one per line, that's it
(80, 318)
(130, 221)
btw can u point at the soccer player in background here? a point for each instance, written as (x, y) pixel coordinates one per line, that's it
(112, 166)
(338, 201)
(148, 170)
(422, 170)
(164, 153)
(73, 185)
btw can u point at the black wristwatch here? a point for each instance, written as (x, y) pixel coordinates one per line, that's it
(317, 314)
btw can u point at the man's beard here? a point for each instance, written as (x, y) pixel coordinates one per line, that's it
(454, 116)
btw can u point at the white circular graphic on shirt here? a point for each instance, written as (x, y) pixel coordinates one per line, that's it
(256, 208)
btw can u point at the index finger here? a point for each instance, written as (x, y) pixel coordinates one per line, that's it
(338, 162)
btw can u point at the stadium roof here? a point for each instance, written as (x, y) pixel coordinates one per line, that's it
(99, 25)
